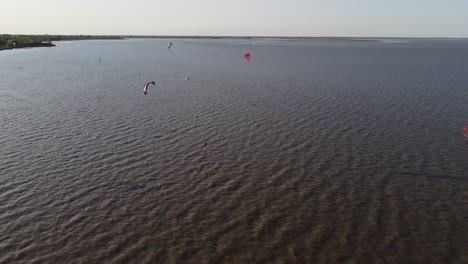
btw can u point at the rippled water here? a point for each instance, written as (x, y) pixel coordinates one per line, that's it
(317, 152)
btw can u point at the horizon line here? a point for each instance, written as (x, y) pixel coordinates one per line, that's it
(237, 36)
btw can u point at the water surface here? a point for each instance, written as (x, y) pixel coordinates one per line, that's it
(317, 152)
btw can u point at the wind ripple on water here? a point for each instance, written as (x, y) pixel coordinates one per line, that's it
(314, 160)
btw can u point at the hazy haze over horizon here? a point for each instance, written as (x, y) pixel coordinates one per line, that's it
(358, 18)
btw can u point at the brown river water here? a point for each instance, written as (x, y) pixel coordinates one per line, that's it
(317, 152)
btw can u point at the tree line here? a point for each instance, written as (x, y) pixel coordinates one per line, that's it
(10, 41)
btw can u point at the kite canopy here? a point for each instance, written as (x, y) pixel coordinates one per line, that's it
(247, 56)
(145, 90)
(169, 45)
(465, 131)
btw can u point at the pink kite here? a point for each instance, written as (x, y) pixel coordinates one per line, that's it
(247, 56)
(465, 131)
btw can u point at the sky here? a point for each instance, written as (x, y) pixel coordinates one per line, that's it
(342, 18)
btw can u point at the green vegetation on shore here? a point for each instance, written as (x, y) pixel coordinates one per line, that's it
(17, 41)
(23, 41)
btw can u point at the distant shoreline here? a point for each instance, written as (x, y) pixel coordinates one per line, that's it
(319, 39)
(35, 45)
(9, 42)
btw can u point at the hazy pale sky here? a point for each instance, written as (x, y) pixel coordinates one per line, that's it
(360, 18)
